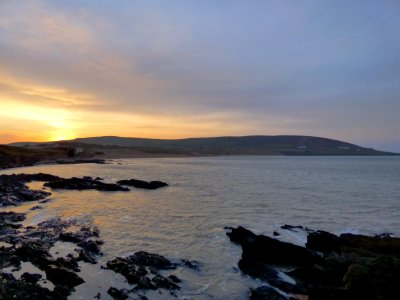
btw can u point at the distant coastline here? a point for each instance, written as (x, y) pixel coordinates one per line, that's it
(110, 147)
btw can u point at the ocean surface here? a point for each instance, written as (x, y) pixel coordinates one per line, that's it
(187, 219)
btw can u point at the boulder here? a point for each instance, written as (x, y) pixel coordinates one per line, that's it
(152, 185)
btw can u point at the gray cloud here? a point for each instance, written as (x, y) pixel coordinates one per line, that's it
(306, 67)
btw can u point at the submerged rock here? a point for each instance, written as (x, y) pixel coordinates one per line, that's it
(118, 294)
(152, 185)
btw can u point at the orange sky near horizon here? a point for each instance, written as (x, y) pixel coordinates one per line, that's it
(148, 69)
(37, 113)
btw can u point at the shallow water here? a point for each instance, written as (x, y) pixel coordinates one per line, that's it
(187, 219)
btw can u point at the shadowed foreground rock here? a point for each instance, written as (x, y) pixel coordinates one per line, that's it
(152, 185)
(32, 244)
(329, 267)
(142, 269)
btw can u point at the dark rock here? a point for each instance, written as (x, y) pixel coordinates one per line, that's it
(99, 178)
(90, 246)
(118, 294)
(329, 293)
(31, 278)
(152, 185)
(377, 279)
(258, 250)
(142, 268)
(275, 233)
(240, 235)
(265, 293)
(164, 283)
(87, 257)
(36, 207)
(292, 228)
(63, 277)
(127, 268)
(191, 264)
(68, 262)
(351, 266)
(318, 276)
(324, 241)
(379, 245)
(75, 183)
(174, 278)
(10, 288)
(258, 269)
(157, 261)
(11, 217)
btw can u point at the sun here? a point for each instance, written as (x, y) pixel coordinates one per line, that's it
(61, 134)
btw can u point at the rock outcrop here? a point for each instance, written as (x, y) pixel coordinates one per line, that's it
(152, 185)
(329, 267)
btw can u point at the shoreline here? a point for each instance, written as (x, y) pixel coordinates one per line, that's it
(327, 267)
(103, 159)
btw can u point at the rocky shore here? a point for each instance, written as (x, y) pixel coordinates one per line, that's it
(57, 276)
(14, 191)
(53, 276)
(328, 267)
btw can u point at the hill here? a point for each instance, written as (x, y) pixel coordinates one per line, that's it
(11, 156)
(243, 145)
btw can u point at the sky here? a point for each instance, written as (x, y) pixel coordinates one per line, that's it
(176, 69)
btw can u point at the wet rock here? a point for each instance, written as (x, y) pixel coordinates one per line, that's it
(10, 288)
(350, 267)
(377, 279)
(174, 278)
(87, 257)
(90, 246)
(31, 278)
(324, 241)
(164, 282)
(127, 268)
(36, 207)
(69, 262)
(63, 277)
(7, 222)
(32, 244)
(380, 245)
(14, 191)
(265, 292)
(11, 217)
(142, 269)
(152, 185)
(260, 249)
(118, 294)
(143, 258)
(75, 183)
(191, 264)
(293, 228)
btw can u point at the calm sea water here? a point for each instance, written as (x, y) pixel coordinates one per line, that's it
(187, 219)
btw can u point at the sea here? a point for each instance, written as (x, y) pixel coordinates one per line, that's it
(188, 219)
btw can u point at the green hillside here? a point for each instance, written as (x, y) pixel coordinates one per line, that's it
(245, 145)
